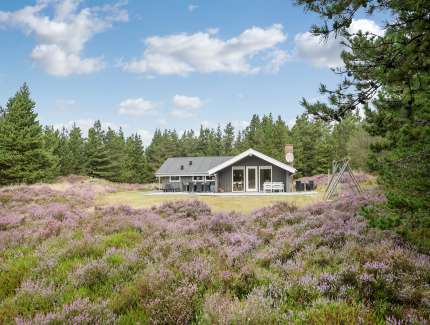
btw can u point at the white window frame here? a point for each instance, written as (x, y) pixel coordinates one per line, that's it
(198, 180)
(259, 175)
(244, 177)
(210, 180)
(174, 181)
(256, 179)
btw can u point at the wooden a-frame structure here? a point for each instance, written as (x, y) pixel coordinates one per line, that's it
(339, 168)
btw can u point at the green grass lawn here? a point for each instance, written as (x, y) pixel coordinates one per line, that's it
(244, 204)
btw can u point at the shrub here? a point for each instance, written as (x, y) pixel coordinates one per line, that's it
(94, 273)
(337, 312)
(79, 312)
(166, 299)
(255, 309)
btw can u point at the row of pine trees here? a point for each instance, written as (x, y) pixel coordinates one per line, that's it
(30, 153)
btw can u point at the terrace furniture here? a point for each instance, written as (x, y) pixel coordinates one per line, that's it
(212, 188)
(273, 187)
(300, 187)
(187, 187)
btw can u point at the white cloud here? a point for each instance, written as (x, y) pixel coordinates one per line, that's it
(136, 107)
(203, 52)
(185, 106)
(191, 8)
(187, 102)
(326, 52)
(277, 60)
(317, 51)
(366, 25)
(62, 30)
(181, 113)
(58, 62)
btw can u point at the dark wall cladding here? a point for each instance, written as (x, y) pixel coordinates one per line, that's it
(278, 174)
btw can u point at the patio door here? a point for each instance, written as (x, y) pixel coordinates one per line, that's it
(238, 179)
(251, 179)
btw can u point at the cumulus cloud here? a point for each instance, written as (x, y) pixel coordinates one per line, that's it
(185, 106)
(62, 30)
(204, 52)
(187, 102)
(326, 52)
(136, 107)
(366, 25)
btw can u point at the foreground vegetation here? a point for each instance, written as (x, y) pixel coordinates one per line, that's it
(64, 260)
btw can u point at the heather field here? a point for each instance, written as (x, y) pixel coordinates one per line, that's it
(64, 259)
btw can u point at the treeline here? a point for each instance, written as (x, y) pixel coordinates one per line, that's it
(31, 153)
(316, 143)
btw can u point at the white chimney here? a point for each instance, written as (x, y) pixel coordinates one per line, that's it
(289, 153)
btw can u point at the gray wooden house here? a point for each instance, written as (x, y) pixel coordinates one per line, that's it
(250, 171)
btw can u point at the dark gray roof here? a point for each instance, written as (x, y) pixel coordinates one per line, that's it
(199, 166)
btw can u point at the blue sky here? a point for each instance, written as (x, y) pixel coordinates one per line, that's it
(144, 65)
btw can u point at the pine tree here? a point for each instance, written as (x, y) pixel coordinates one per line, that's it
(342, 132)
(390, 72)
(358, 148)
(115, 146)
(164, 144)
(203, 142)
(188, 144)
(23, 158)
(311, 146)
(75, 157)
(228, 139)
(136, 169)
(253, 134)
(54, 143)
(218, 144)
(267, 145)
(281, 137)
(98, 161)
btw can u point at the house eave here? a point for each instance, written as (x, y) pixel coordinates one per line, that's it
(182, 175)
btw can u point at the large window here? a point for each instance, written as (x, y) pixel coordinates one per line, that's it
(238, 179)
(210, 178)
(175, 179)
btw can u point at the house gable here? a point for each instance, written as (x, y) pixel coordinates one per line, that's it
(250, 153)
